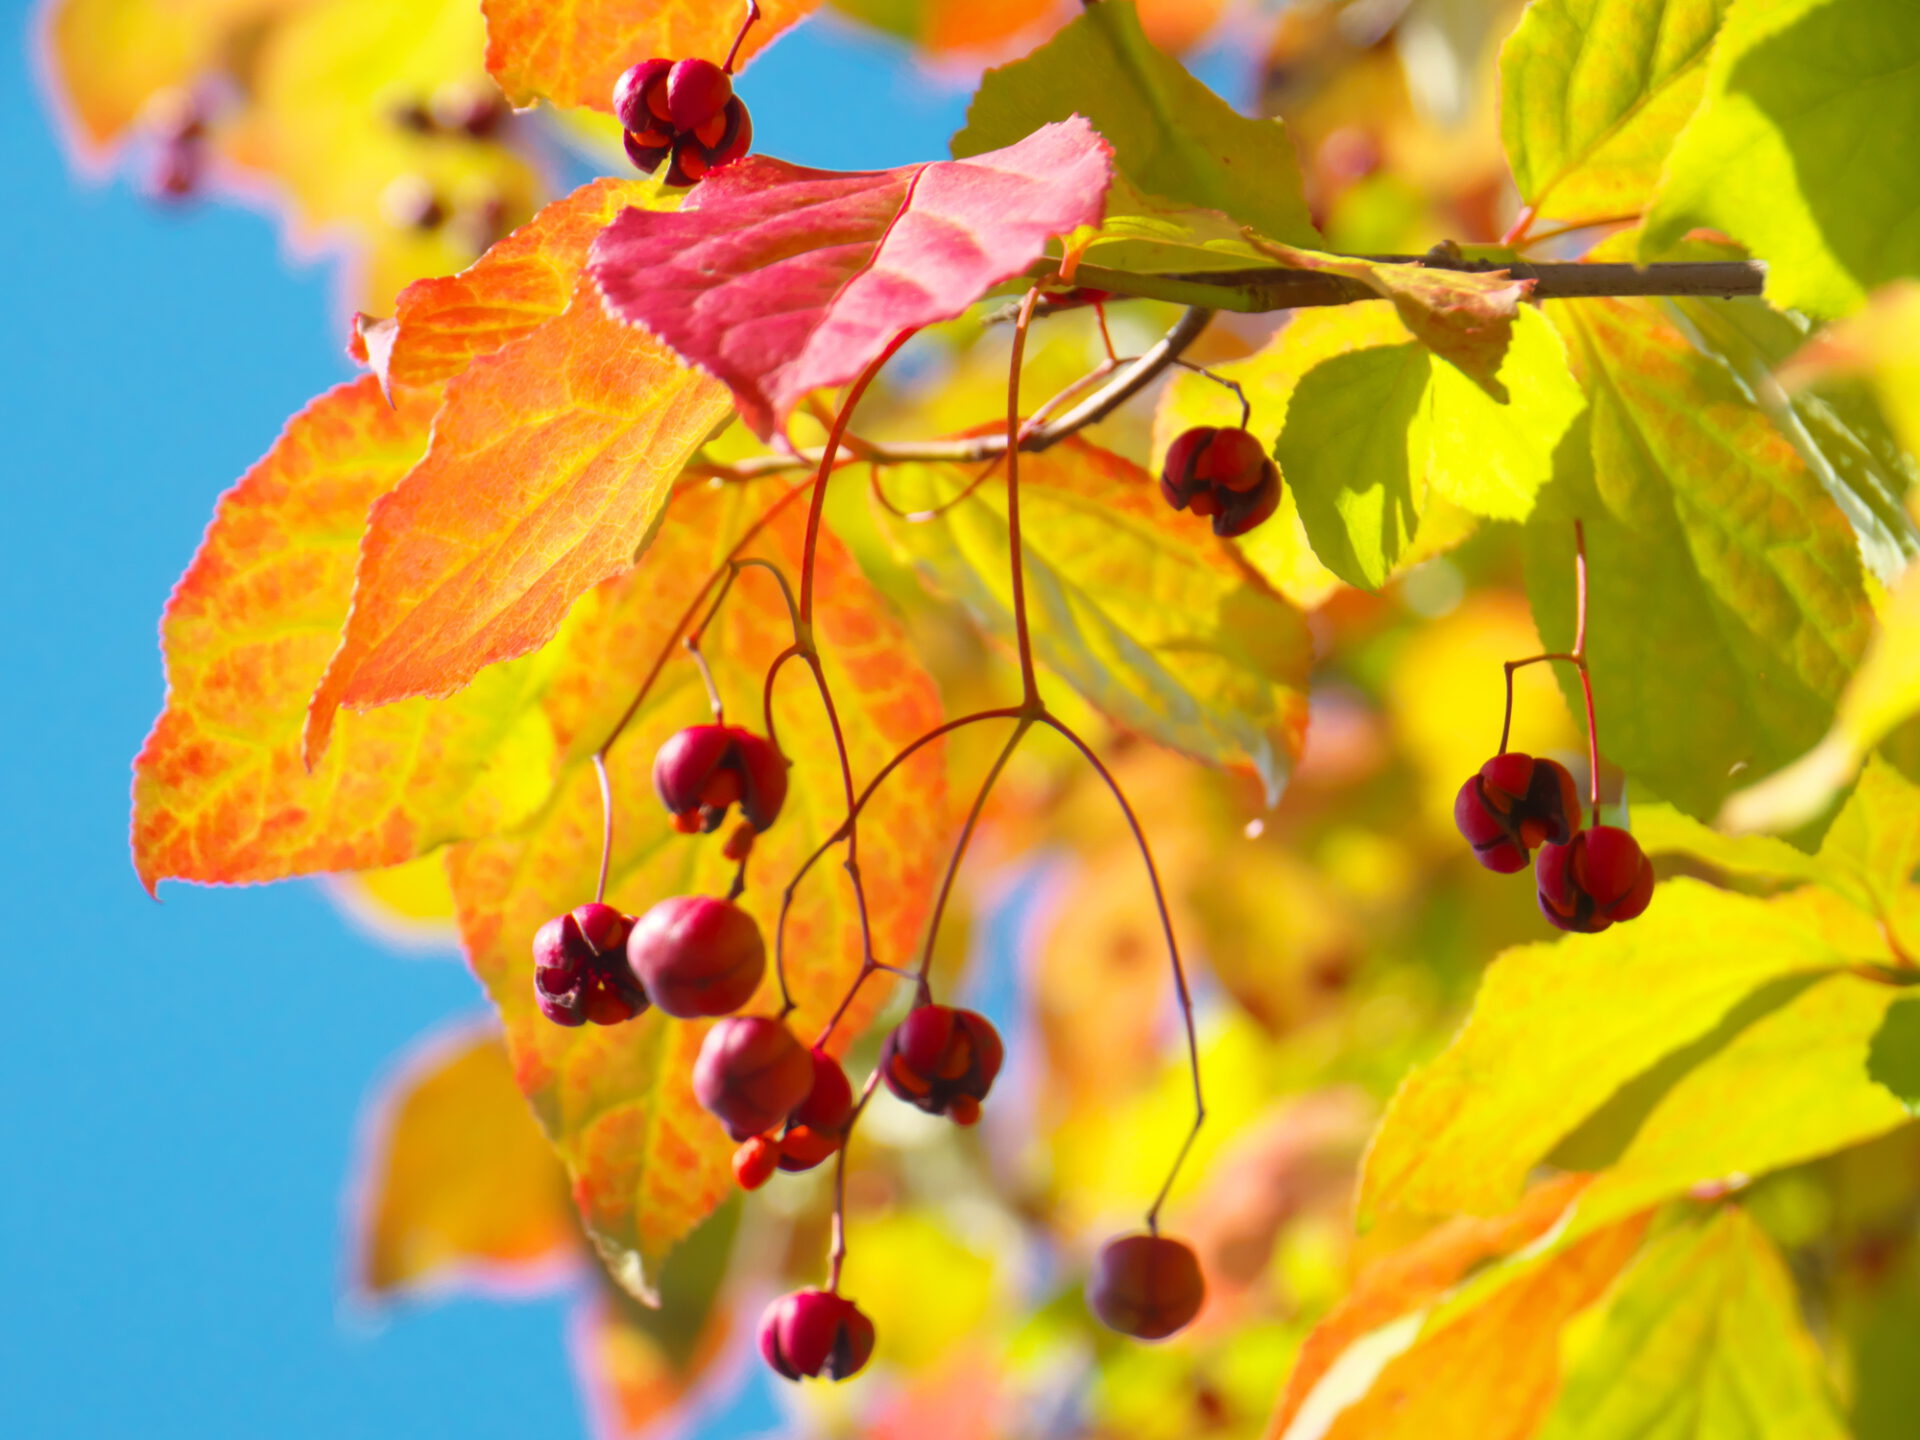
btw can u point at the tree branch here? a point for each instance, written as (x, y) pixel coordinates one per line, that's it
(1258, 290)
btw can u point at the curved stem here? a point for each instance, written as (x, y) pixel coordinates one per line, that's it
(1016, 555)
(960, 845)
(1181, 988)
(606, 825)
(859, 804)
(826, 467)
(837, 1251)
(1141, 373)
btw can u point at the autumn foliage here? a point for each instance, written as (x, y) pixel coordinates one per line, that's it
(919, 686)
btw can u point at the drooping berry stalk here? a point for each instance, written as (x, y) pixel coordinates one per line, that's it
(1577, 657)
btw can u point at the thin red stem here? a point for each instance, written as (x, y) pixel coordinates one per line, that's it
(859, 804)
(606, 825)
(960, 845)
(1577, 657)
(753, 14)
(826, 467)
(1023, 639)
(837, 1252)
(1180, 985)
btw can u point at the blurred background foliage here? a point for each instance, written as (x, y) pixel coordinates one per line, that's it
(1337, 939)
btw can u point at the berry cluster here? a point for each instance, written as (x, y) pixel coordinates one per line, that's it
(1587, 879)
(683, 114)
(1223, 473)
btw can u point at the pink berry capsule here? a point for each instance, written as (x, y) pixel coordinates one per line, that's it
(697, 955)
(815, 1333)
(1596, 879)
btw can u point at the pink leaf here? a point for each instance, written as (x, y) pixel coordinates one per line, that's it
(781, 280)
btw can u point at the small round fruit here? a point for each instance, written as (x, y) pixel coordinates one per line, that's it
(697, 91)
(815, 1333)
(1512, 806)
(704, 769)
(640, 95)
(943, 1061)
(750, 1074)
(1223, 473)
(580, 972)
(754, 1162)
(1146, 1286)
(818, 1125)
(1596, 879)
(697, 955)
(722, 140)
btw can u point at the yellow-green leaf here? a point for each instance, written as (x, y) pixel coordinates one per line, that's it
(1727, 600)
(1883, 693)
(1791, 1086)
(1372, 427)
(1137, 607)
(1802, 149)
(1170, 134)
(1592, 93)
(1558, 1028)
(1702, 1340)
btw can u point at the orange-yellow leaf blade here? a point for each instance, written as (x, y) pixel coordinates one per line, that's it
(549, 465)
(458, 1185)
(220, 793)
(571, 54)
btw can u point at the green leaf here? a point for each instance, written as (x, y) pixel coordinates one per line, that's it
(1791, 1086)
(1141, 610)
(1802, 149)
(1348, 451)
(1836, 423)
(1558, 1028)
(1370, 427)
(1702, 1340)
(1170, 134)
(1727, 601)
(1883, 693)
(1592, 93)
(1893, 1060)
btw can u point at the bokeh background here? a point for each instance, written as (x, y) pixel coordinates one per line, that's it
(185, 1081)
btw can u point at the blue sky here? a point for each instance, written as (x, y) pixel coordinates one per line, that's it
(182, 1080)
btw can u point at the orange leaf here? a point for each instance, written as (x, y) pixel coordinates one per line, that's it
(647, 1163)
(457, 1182)
(220, 794)
(571, 54)
(550, 462)
(443, 324)
(1485, 1371)
(1402, 1282)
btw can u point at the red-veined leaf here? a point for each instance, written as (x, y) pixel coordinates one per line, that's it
(571, 54)
(781, 280)
(647, 1163)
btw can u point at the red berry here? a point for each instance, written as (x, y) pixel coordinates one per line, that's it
(580, 972)
(813, 1333)
(1146, 1286)
(697, 92)
(817, 1127)
(632, 90)
(1223, 473)
(943, 1061)
(697, 955)
(1514, 805)
(1597, 878)
(751, 1074)
(704, 769)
